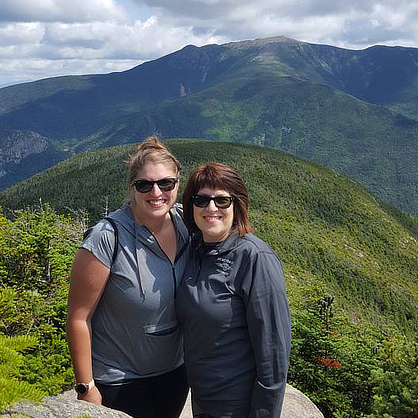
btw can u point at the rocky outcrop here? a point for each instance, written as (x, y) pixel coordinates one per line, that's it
(55, 407)
(17, 145)
(296, 405)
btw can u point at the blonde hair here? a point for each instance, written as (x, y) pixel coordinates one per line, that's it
(151, 150)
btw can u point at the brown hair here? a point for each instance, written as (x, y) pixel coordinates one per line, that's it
(151, 150)
(217, 176)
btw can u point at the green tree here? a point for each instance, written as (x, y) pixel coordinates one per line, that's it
(11, 389)
(37, 248)
(395, 385)
(332, 360)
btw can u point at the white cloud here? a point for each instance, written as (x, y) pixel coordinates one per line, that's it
(20, 33)
(316, 21)
(36, 50)
(61, 10)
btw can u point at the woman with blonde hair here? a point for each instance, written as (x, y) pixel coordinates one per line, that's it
(122, 328)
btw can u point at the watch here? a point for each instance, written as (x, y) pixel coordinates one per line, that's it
(83, 388)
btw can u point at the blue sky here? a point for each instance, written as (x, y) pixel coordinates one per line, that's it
(45, 38)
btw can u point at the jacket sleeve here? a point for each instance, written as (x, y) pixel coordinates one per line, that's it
(268, 320)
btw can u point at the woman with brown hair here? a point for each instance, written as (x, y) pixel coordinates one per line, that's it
(232, 304)
(122, 328)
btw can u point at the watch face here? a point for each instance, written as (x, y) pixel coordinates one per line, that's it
(81, 388)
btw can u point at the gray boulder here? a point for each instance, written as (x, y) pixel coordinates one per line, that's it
(296, 405)
(64, 406)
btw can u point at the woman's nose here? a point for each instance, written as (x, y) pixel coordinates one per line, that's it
(155, 191)
(211, 206)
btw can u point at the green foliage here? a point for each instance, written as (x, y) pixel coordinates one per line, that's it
(11, 389)
(9, 352)
(395, 385)
(37, 248)
(35, 254)
(14, 391)
(352, 370)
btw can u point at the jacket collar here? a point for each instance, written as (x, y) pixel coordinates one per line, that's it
(202, 249)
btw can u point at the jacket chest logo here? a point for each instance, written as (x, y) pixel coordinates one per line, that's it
(224, 266)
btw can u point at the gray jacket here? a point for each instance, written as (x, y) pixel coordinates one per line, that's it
(135, 330)
(234, 314)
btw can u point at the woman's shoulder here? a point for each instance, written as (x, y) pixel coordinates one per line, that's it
(103, 228)
(254, 248)
(254, 243)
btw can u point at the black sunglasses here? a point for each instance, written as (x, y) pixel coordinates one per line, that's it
(145, 186)
(221, 202)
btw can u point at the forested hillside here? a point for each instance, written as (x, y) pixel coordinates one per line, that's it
(321, 223)
(350, 261)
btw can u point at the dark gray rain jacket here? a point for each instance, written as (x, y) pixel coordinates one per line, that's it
(233, 309)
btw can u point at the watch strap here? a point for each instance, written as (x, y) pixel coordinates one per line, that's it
(90, 385)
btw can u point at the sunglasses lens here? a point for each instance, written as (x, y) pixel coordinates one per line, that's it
(223, 202)
(167, 184)
(145, 186)
(201, 201)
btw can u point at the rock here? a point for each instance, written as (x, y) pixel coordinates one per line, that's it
(17, 145)
(296, 405)
(64, 407)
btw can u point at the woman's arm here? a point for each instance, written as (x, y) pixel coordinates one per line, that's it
(88, 280)
(268, 322)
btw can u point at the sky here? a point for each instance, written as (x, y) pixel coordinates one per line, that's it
(47, 38)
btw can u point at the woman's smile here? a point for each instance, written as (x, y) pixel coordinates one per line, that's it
(156, 203)
(212, 218)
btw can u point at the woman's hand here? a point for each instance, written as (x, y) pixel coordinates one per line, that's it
(92, 396)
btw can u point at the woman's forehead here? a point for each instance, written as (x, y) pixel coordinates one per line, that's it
(156, 171)
(215, 191)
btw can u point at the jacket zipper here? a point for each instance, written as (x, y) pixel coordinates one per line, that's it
(173, 269)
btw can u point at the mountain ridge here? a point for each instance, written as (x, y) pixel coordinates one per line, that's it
(355, 111)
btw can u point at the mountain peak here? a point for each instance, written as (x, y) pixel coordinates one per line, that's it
(262, 42)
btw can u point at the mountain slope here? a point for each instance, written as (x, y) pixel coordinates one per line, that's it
(74, 106)
(331, 234)
(316, 101)
(368, 143)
